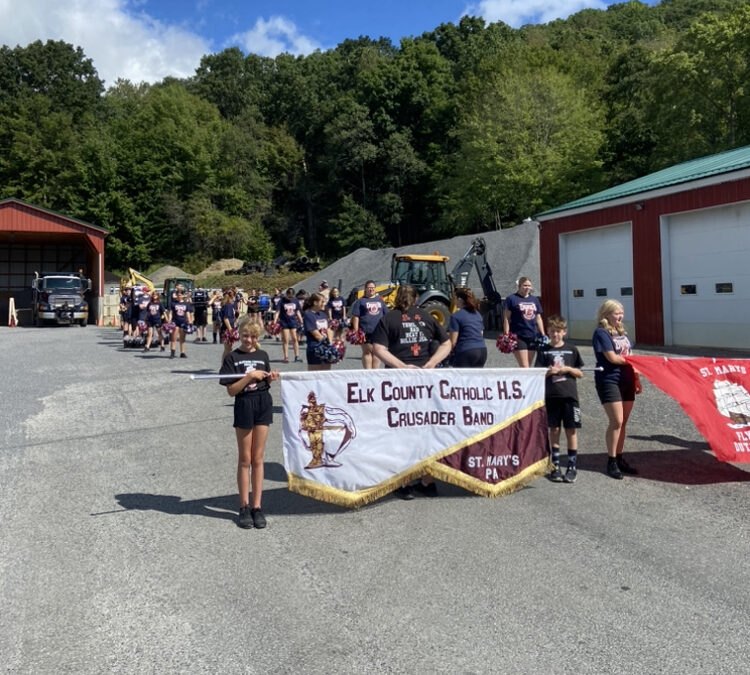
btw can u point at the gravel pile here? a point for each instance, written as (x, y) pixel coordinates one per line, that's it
(167, 272)
(510, 253)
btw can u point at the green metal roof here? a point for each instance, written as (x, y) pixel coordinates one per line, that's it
(695, 169)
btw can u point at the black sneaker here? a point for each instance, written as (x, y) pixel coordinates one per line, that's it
(259, 520)
(429, 490)
(556, 475)
(625, 467)
(183, 355)
(245, 519)
(406, 492)
(613, 471)
(570, 474)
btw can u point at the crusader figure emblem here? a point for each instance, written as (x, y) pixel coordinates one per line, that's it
(732, 401)
(326, 432)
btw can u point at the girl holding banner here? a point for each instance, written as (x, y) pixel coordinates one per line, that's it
(616, 383)
(404, 339)
(253, 413)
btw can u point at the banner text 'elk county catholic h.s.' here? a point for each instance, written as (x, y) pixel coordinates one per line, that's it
(352, 436)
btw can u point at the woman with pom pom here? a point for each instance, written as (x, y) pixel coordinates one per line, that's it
(523, 318)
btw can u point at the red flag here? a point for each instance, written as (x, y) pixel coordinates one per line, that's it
(714, 393)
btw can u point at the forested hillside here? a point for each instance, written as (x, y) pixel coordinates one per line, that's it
(467, 128)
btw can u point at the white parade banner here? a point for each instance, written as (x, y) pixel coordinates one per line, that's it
(352, 436)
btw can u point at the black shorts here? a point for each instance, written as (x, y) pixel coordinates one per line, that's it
(312, 359)
(201, 314)
(525, 343)
(563, 412)
(253, 410)
(612, 392)
(470, 358)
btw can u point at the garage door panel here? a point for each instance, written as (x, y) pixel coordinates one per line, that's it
(705, 249)
(595, 265)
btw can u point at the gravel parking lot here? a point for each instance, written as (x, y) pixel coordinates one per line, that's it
(120, 551)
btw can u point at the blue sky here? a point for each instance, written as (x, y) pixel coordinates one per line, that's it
(147, 40)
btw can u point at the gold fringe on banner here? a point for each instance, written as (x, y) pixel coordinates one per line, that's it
(352, 500)
(505, 487)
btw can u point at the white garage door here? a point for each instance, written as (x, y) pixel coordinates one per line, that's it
(706, 277)
(595, 265)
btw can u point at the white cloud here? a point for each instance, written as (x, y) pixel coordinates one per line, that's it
(274, 36)
(120, 44)
(517, 13)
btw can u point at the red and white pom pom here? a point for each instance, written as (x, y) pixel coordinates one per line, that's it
(142, 326)
(273, 328)
(507, 342)
(230, 336)
(355, 337)
(340, 347)
(335, 324)
(168, 328)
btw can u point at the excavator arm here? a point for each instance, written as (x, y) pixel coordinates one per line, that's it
(135, 278)
(476, 258)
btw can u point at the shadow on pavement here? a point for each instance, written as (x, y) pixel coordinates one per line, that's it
(276, 501)
(689, 465)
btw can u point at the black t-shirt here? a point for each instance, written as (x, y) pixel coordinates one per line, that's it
(409, 335)
(200, 299)
(238, 361)
(563, 385)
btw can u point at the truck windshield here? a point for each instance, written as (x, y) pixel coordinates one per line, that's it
(65, 283)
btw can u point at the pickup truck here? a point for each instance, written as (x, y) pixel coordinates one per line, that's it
(59, 297)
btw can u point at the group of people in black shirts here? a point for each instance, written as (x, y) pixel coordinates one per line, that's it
(407, 337)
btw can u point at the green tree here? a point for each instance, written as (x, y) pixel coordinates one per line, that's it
(220, 235)
(701, 89)
(528, 141)
(54, 69)
(166, 142)
(39, 154)
(232, 82)
(355, 227)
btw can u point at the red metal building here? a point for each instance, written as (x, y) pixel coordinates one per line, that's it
(672, 246)
(36, 239)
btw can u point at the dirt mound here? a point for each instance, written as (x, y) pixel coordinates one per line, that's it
(167, 272)
(219, 267)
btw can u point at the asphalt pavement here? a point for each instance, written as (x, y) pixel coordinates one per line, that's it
(119, 550)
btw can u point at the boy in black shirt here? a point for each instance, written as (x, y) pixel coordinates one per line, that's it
(563, 363)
